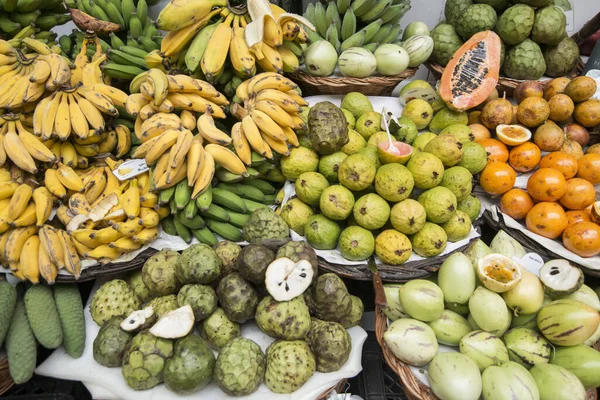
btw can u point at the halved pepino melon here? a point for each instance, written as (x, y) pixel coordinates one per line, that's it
(513, 135)
(472, 74)
(397, 152)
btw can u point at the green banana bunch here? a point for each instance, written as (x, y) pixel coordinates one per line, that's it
(43, 15)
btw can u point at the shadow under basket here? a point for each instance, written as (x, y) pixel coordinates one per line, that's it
(370, 86)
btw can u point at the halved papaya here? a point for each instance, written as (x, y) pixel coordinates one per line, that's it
(473, 72)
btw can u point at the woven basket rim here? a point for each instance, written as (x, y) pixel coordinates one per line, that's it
(381, 80)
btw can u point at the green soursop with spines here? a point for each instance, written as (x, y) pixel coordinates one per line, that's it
(111, 343)
(253, 262)
(201, 298)
(515, 24)
(328, 128)
(455, 8)
(217, 329)
(240, 367)
(445, 43)
(159, 275)
(290, 364)
(330, 343)
(237, 297)
(72, 320)
(21, 347)
(331, 298)
(499, 5)
(8, 300)
(300, 250)
(191, 367)
(356, 313)
(136, 283)
(475, 18)
(228, 252)
(114, 298)
(549, 26)
(43, 316)
(289, 320)
(162, 305)
(524, 61)
(561, 59)
(144, 362)
(265, 224)
(199, 263)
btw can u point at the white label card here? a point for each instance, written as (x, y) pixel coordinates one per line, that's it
(532, 262)
(130, 169)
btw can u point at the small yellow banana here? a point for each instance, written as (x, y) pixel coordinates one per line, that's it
(26, 218)
(162, 145)
(149, 217)
(125, 244)
(207, 172)
(146, 235)
(267, 126)
(69, 178)
(130, 200)
(128, 228)
(47, 269)
(104, 252)
(240, 144)
(180, 149)
(208, 130)
(195, 158)
(19, 201)
(252, 134)
(29, 260)
(53, 184)
(123, 140)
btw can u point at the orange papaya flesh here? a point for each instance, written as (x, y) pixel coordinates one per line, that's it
(473, 73)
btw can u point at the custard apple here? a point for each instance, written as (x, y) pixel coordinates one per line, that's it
(191, 367)
(240, 367)
(499, 5)
(549, 26)
(136, 283)
(289, 320)
(524, 61)
(111, 343)
(331, 298)
(561, 59)
(112, 299)
(199, 263)
(356, 313)
(454, 9)
(158, 273)
(162, 305)
(228, 252)
(237, 297)
(253, 262)
(265, 224)
(144, 363)
(201, 298)
(330, 343)
(536, 3)
(217, 329)
(290, 364)
(445, 43)
(476, 18)
(515, 24)
(328, 128)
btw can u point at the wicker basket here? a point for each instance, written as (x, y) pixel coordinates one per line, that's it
(371, 86)
(413, 387)
(505, 85)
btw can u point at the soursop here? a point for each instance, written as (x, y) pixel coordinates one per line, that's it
(549, 26)
(330, 343)
(114, 298)
(240, 367)
(265, 224)
(562, 58)
(111, 343)
(289, 320)
(445, 43)
(515, 24)
(199, 263)
(144, 362)
(328, 128)
(475, 18)
(524, 61)
(158, 273)
(290, 364)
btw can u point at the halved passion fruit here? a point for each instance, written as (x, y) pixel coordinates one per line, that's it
(513, 135)
(498, 273)
(394, 152)
(595, 212)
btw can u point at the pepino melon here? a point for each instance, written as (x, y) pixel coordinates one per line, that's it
(472, 74)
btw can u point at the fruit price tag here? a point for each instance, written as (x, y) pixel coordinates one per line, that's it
(532, 262)
(130, 168)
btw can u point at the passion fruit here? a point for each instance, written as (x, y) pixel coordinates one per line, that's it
(580, 194)
(498, 273)
(525, 157)
(555, 86)
(546, 184)
(594, 149)
(496, 112)
(563, 162)
(561, 107)
(533, 112)
(549, 137)
(473, 117)
(495, 149)
(513, 135)
(589, 168)
(577, 216)
(480, 132)
(583, 239)
(497, 178)
(528, 89)
(396, 152)
(588, 113)
(581, 88)
(547, 219)
(572, 148)
(516, 203)
(577, 133)
(595, 212)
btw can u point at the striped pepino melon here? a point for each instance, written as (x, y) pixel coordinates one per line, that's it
(473, 72)
(419, 49)
(567, 322)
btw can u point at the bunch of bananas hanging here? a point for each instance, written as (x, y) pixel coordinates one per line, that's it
(222, 210)
(216, 37)
(358, 23)
(43, 15)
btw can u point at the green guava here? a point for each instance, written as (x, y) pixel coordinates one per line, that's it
(295, 213)
(356, 243)
(371, 153)
(321, 232)
(408, 216)
(419, 111)
(430, 241)
(393, 247)
(460, 131)
(427, 170)
(300, 160)
(471, 206)
(405, 130)
(330, 164)
(309, 187)
(350, 118)
(394, 182)
(305, 141)
(459, 180)
(357, 104)
(357, 172)
(371, 211)
(355, 143)
(446, 117)
(458, 227)
(439, 203)
(336, 202)
(377, 138)
(474, 157)
(368, 124)
(447, 148)
(421, 141)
